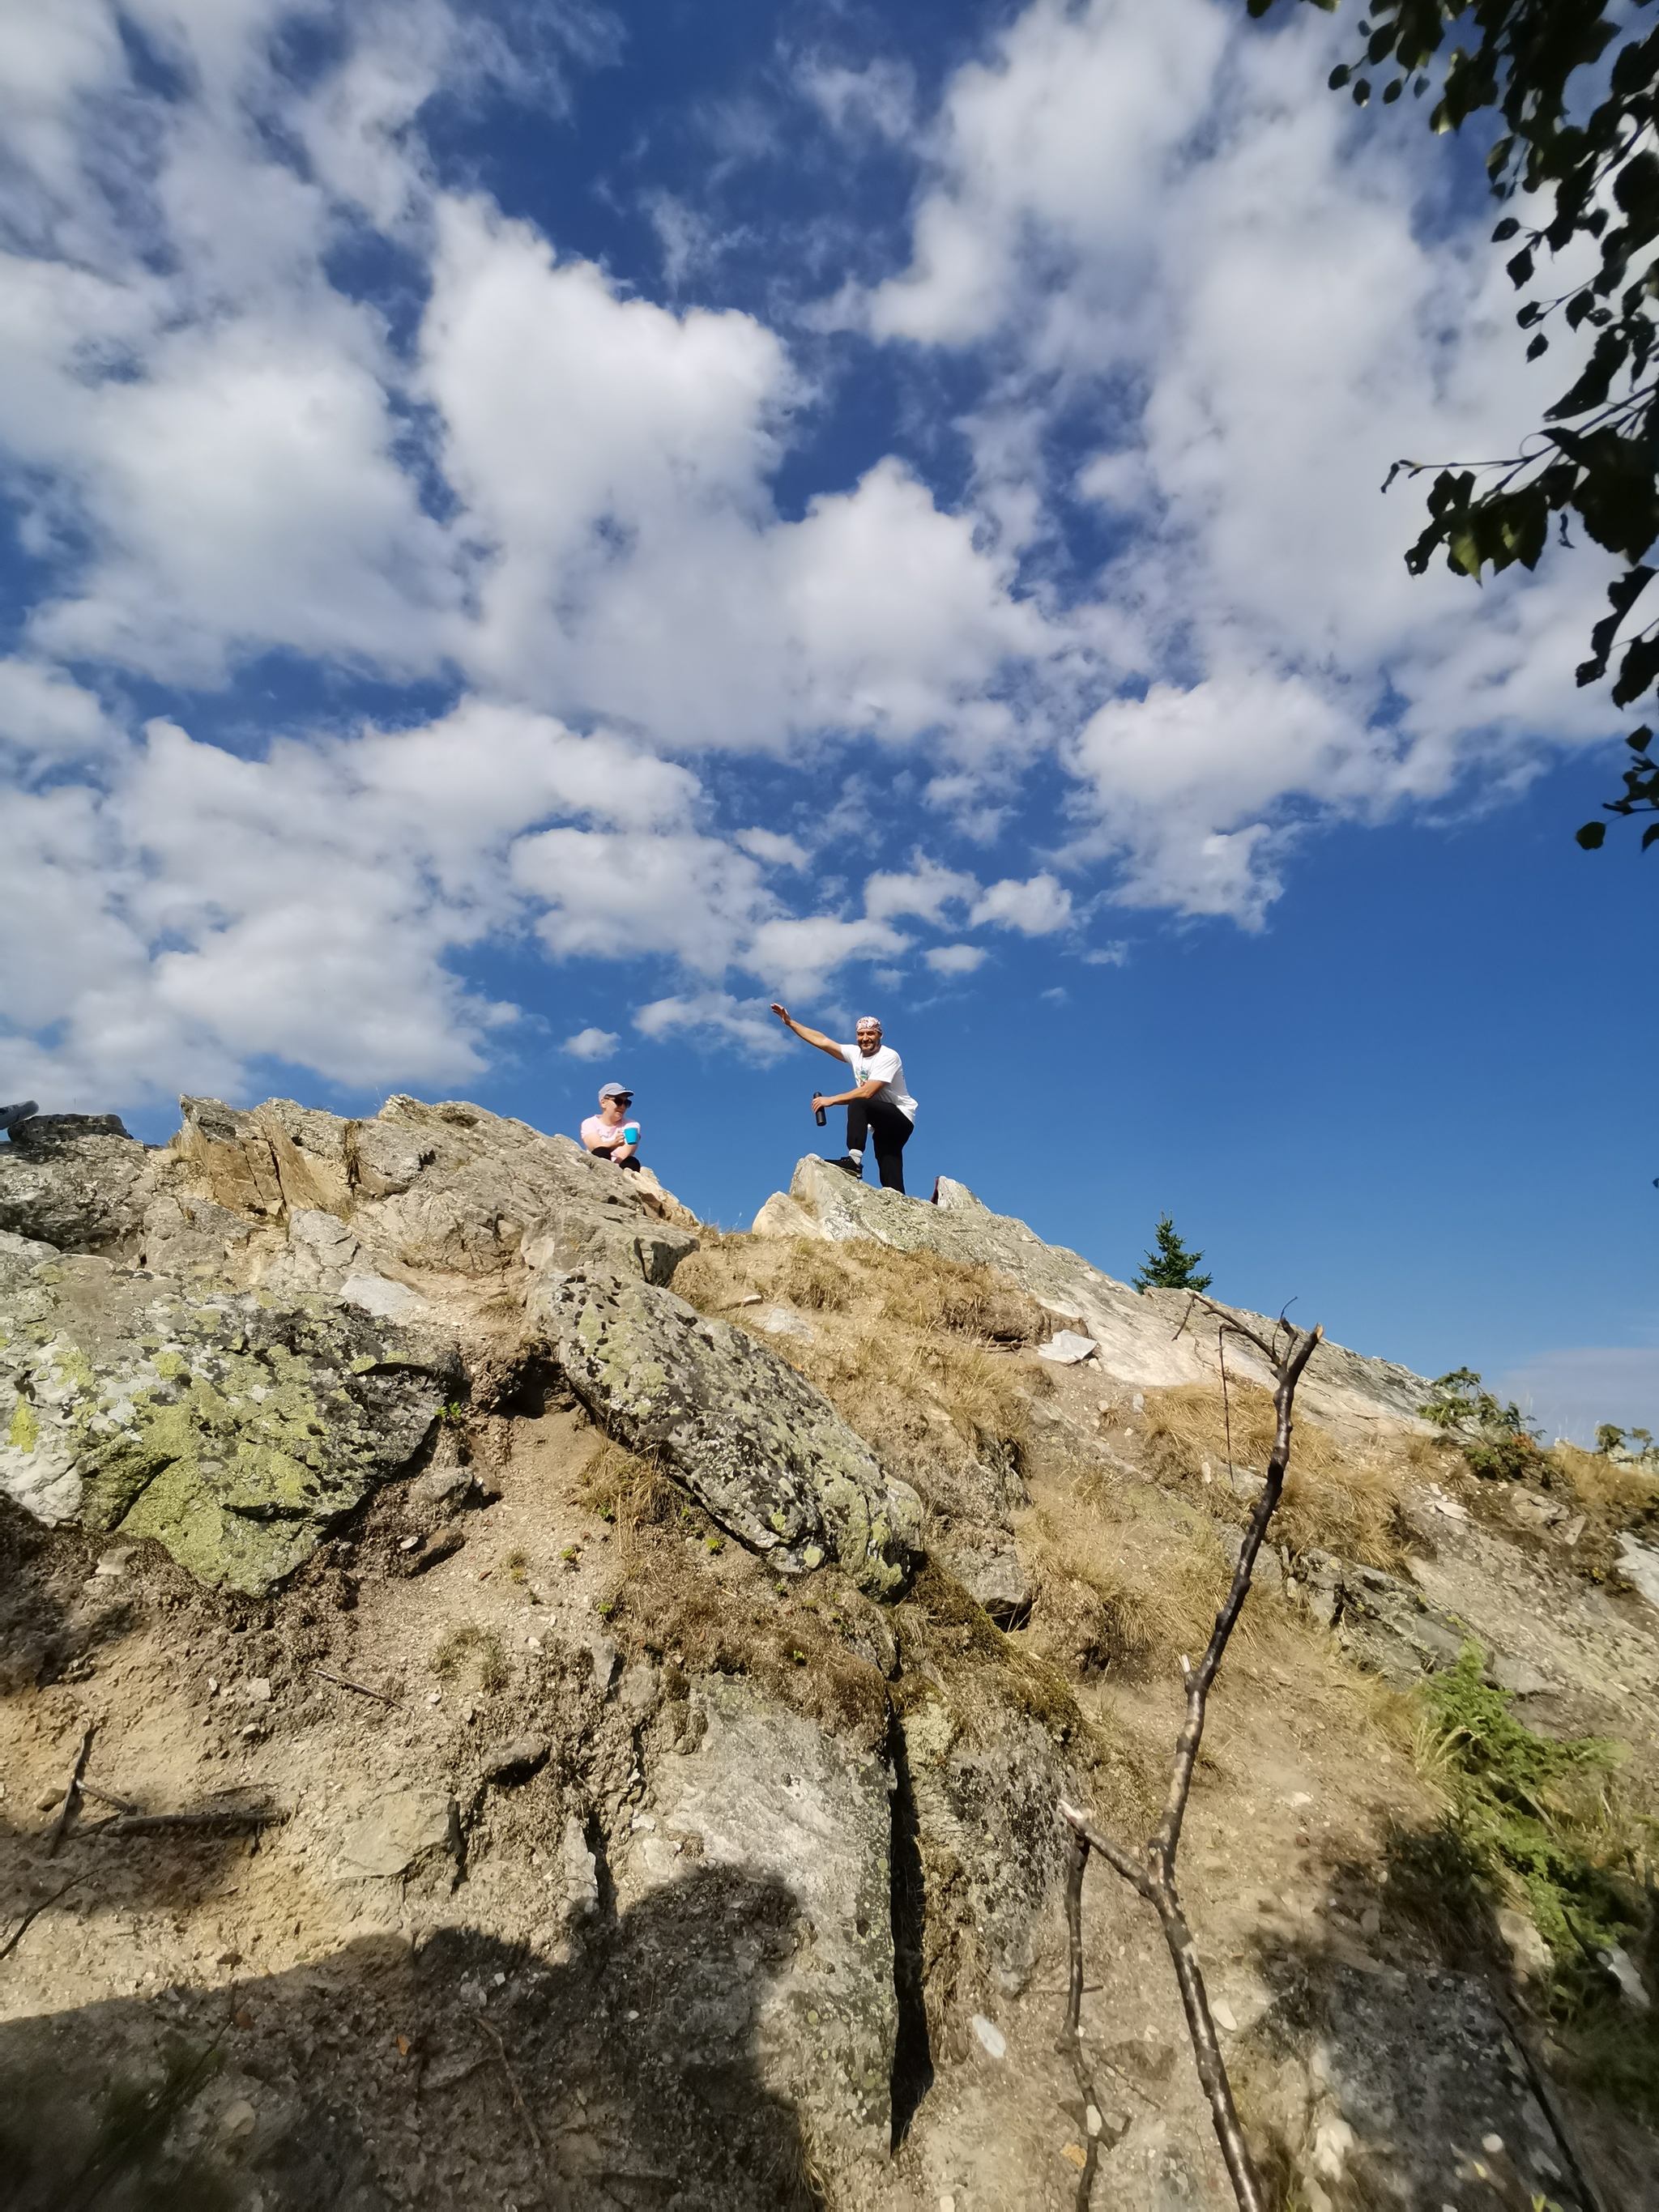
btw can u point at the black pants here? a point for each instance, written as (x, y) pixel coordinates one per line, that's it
(891, 1132)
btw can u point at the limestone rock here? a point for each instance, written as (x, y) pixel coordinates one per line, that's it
(390, 1833)
(446, 1189)
(77, 1180)
(1067, 1348)
(1136, 1332)
(769, 1793)
(233, 1429)
(766, 1454)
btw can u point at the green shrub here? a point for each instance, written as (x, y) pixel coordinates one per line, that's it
(1169, 1266)
(1542, 1821)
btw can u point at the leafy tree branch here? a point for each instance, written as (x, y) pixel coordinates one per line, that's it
(1568, 91)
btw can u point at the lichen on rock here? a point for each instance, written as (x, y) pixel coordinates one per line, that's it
(232, 1429)
(766, 1454)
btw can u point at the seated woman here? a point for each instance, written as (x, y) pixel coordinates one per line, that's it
(610, 1135)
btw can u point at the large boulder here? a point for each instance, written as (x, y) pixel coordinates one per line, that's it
(445, 1189)
(1139, 1334)
(768, 1456)
(233, 1429)
(77, 1180)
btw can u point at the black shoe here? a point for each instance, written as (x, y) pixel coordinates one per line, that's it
(854, 1168)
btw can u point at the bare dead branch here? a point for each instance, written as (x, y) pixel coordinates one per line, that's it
(1153, 1875)
(362, 1688)
(71, 1804)
(230, 1819)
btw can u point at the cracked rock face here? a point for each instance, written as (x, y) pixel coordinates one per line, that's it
(752, 1440)
(233, 1430)
(77, 1180)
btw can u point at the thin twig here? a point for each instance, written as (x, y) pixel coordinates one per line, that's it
(519, 2104)
(121, 1804)
(1153, 1874)
(1076, 1866)
(34, 1914)
(1226, 1409)
(72, 1796)
(362, 1688)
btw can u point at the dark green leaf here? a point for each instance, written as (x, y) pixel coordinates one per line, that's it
(1520, 268)
(1639, 740)
(1392, 92)
(1361, 91)
(1592, 835)
(1650, 836)
(1339, 76)
(1506, 229)
(1636, 670)
(1539, 344)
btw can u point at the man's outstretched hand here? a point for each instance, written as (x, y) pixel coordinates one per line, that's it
(782, 1013)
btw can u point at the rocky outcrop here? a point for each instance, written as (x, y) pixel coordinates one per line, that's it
(766, 1454)
(77, 1180)
(445, 1189)
(233, 1430)
(1381, 1621)
(1138, 1333)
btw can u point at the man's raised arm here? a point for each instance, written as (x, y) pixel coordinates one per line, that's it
(806, 1036)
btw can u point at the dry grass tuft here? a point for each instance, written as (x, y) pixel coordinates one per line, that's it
(903, 1344)
(1617, 1492)
(1335, 1501)
(1128, 1576)
(469, 1650)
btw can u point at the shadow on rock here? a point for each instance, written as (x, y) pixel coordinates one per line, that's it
(460, 2071)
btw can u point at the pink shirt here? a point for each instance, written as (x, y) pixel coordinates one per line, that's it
(596, 1130)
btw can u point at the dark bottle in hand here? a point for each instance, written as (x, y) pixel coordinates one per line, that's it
(820, 1117)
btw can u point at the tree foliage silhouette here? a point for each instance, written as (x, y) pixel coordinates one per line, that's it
(1587, 150)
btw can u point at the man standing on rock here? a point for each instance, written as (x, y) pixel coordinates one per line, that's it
(879, 1107)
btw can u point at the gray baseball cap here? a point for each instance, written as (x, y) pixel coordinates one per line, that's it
(614, 1090)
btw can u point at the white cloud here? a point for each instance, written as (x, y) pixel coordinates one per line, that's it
(768, 845)
(925, 890)
(955, 959)
(717, 1021)
(561, 502)
(49, 719)
(1036, 908)
(591, 1045)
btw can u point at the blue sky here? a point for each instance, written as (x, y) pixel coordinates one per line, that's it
(536, 524)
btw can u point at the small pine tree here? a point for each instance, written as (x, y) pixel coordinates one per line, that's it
(1169, 1266)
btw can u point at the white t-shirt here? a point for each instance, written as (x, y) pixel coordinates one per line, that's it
(885, 1065)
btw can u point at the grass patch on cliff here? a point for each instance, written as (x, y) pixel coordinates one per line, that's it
(1129, 1576)
(1545, 1824)
(1351, 1504)
(911, 1349)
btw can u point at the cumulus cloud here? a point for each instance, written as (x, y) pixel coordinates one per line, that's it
(955, 959)
(717, 1021)
(591, 1045)
(924, 891)
(1036, 909)
(555, 498)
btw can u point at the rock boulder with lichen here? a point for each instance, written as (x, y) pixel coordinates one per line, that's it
(235, 1430)
(766, 1454)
